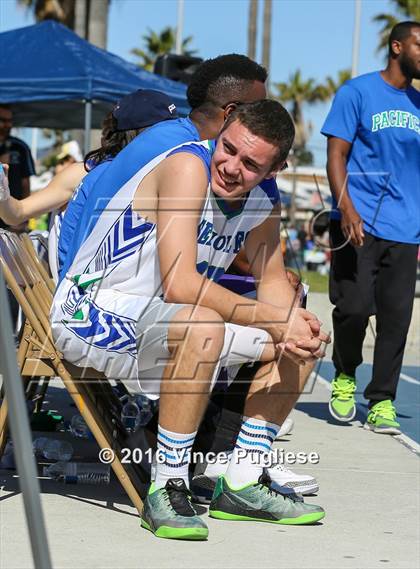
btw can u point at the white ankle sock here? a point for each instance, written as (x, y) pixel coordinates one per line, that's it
(252, 446)
(173, 456)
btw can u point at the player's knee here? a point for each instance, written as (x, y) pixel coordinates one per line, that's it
(203, 330)
(207, 331)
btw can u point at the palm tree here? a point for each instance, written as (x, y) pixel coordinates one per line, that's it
(98, 21)
(60, 10)
(88, 18)
(159, 44)
(406, 9)
(297, 92)
(331, 85)
(252, 28)
(267, 35)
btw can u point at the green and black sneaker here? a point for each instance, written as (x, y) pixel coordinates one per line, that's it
(342, 404)
(382, 419)
(259, 503)
(168, 512)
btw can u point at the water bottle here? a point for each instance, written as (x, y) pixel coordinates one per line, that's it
(79, 428)
(130, 415)
(79, 472)
(146, 410)
(153, 467)
(4, 185)
(53, 449)
(7, 461)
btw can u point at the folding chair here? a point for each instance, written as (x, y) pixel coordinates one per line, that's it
(37, 357)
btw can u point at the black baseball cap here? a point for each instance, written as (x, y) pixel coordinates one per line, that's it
(142, 108)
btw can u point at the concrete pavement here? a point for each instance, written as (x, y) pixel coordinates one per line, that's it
(369, 487)
(321, 306)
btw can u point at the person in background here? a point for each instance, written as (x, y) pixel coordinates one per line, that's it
(374, 172)
(302, 236)
(138, 110)
(17, 155)
(70, 154)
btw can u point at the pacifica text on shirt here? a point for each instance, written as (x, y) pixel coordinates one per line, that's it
(397, 119)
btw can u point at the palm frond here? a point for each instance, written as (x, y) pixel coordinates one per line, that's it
(406, 9)
(159, 43)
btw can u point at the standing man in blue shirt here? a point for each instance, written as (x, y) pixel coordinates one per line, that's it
(373, 168)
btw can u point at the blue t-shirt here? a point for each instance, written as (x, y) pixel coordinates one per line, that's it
(106, 183)
(74, 210)
(382, 124)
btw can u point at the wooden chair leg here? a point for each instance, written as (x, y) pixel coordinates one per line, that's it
(95, 424)
(33, 297)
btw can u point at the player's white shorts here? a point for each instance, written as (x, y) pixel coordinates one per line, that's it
(242, 344)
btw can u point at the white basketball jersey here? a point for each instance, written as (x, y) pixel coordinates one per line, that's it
(116, 271)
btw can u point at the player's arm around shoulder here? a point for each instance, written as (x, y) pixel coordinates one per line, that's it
(181, 183)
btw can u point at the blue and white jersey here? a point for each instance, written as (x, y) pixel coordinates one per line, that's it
(103, 184)
(116, 271)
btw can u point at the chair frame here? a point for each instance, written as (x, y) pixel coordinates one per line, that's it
(37, 358)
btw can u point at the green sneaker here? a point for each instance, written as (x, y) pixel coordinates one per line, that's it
(381, 419)
(260, 503)
(167, 512)
(342, 404)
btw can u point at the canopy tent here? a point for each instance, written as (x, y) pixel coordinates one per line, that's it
(55, 79)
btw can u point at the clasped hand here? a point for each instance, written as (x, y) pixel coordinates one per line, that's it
(304, 340)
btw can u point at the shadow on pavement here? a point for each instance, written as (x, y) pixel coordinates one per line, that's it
(111, 496)
(320, 411)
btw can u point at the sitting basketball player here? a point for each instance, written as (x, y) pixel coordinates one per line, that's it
(141, 302)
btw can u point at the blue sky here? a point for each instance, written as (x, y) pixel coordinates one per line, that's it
(313, 35)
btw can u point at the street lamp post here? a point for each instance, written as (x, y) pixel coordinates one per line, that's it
(179, 27)
(356, 37)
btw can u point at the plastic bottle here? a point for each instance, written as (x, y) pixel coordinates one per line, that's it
(130, 415)
(79, 429)
(146, 410)
(4, 185)
(53, 449)
(79, 472)
(7, 461)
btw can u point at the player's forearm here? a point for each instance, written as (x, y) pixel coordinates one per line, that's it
(278, 292)
(198, 290)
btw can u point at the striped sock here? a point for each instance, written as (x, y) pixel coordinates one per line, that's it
(173, 456)
(252, 446)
